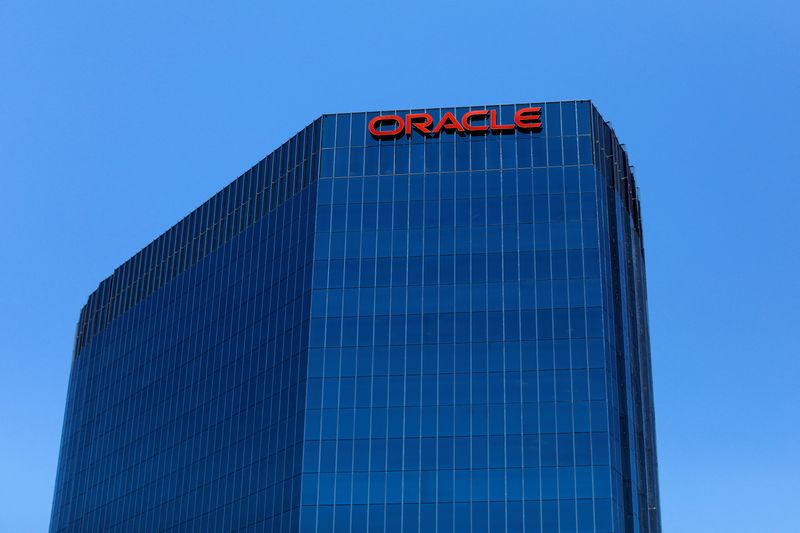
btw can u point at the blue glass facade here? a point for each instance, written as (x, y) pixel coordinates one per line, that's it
(425, 333)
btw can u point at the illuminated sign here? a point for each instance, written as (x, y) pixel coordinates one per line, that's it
(480, 121)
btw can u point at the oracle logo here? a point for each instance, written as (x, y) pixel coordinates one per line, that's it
(479, 121)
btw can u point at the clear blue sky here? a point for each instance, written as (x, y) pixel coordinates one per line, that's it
(118, 118)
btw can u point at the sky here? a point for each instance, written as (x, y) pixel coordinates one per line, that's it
(118, 118)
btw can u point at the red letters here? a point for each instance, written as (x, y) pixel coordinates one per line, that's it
(373, 125)
(427, 120)
(449, 122)
(468, 117)
(495, 125)
(528, 118)
(525, 119)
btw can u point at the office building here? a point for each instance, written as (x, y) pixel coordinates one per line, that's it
(426, 320)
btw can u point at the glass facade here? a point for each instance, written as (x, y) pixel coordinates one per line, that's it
(420, 333)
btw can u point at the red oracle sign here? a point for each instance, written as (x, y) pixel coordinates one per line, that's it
(525, 119)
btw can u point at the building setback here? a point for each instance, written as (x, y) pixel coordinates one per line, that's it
(380, 329)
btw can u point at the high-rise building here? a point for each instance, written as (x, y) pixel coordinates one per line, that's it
(421, 320)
